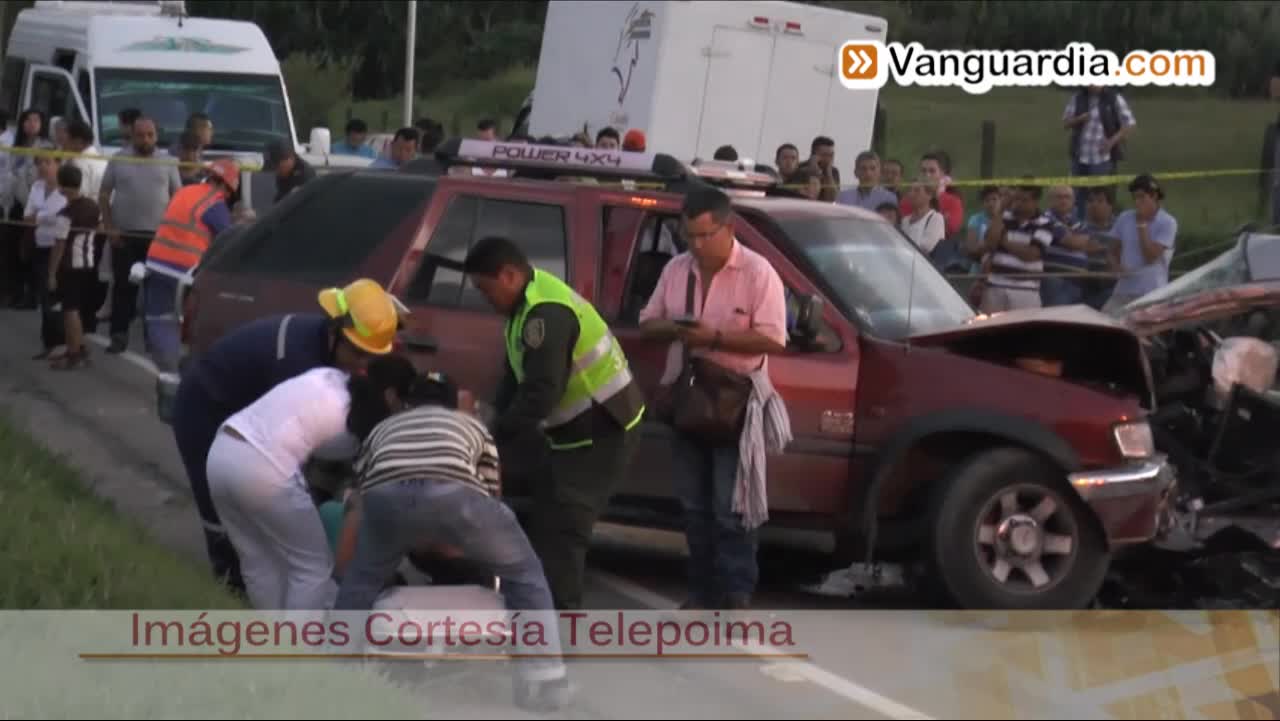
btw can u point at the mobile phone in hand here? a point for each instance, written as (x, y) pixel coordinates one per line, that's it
(687, 321)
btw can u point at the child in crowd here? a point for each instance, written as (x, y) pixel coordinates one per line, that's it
(976, 227)
(72, 273)
(44, 202)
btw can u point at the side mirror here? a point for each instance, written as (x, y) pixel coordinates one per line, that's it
(321, 142)
(809, 317)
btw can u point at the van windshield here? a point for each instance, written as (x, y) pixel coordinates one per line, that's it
(247, 111)
(876, 273)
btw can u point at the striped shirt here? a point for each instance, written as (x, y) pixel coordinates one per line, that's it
(75, 224)
(1058, 258)
(430, 443)
(1038, 230)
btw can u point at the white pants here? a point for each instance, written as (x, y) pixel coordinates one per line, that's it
(274, 526)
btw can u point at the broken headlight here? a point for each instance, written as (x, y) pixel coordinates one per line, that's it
(1135, 440)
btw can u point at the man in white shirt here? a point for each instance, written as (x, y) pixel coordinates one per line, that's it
(80, 140)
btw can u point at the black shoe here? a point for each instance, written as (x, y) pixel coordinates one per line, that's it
(543, 696)
(117, 346)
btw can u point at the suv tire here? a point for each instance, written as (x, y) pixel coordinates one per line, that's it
(1009, 533)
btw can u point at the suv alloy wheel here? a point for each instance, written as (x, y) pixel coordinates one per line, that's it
(1009, 533)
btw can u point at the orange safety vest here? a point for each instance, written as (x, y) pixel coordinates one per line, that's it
(182, 237)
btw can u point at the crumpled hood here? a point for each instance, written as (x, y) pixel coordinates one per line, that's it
(1063, 315)
(1089, 347)
(1209, 305)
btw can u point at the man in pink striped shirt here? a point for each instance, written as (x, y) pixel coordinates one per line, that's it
(741, 318)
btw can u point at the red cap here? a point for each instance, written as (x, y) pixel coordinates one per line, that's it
(633, 141)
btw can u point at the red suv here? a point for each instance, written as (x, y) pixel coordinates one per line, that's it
(1009, 453)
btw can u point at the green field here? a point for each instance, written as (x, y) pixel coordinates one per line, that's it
(1177, 131)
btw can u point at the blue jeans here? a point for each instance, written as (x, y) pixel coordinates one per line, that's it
(402, 516)
(1061, 291)
(1082, 192)
(722, 552)
(160, 321)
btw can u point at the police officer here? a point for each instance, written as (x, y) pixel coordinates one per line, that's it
(358, 322)
(568, 387)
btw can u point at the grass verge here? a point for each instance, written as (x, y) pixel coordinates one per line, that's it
(63, 548)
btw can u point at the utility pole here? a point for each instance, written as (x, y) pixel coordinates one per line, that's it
(410, 42)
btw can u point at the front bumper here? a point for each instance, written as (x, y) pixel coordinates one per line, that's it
(1150, 477)
(1132, 502)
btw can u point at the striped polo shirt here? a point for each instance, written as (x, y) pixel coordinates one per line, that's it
(1058, 258)
(430, 443)
(1038, 230)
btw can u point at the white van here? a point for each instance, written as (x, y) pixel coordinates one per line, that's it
(697, 75)
(93, 59)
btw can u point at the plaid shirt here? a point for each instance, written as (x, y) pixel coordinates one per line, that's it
(1093, 137)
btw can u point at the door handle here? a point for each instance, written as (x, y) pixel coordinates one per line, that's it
(421, 343)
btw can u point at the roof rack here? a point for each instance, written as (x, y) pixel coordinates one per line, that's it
(552, 162)
(742, 174)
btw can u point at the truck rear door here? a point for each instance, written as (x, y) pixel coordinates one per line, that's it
(799, 87)
(733, 103)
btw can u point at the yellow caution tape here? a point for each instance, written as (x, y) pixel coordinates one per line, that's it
(1012, 181)
(154, 160)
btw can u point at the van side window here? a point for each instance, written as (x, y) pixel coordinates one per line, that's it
(52, 95)
(538, 228)
(15, 70)
(324, 231)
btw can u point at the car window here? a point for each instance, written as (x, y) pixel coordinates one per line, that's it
(538, 228)
(437, 285)
(659, 241)
(324, 231)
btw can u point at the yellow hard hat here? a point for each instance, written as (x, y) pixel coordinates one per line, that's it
(369, 314)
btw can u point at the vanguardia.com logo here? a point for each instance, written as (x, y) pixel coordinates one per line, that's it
(866, 64)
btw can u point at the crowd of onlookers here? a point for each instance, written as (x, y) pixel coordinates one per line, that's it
(73, 225)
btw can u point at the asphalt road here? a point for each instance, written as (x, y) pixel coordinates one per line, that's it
(860, 662)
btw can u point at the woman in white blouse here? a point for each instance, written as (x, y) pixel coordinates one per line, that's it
(44, 202)
(258, 487)
(924, 226)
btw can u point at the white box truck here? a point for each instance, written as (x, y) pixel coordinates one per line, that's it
(697, 75)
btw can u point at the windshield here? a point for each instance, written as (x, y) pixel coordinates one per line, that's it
(247, 111)
(870, 266)
(1225, 270)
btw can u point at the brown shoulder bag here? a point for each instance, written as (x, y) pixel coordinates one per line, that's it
(707, 401)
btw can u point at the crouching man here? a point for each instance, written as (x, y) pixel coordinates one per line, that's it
(427, 476)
